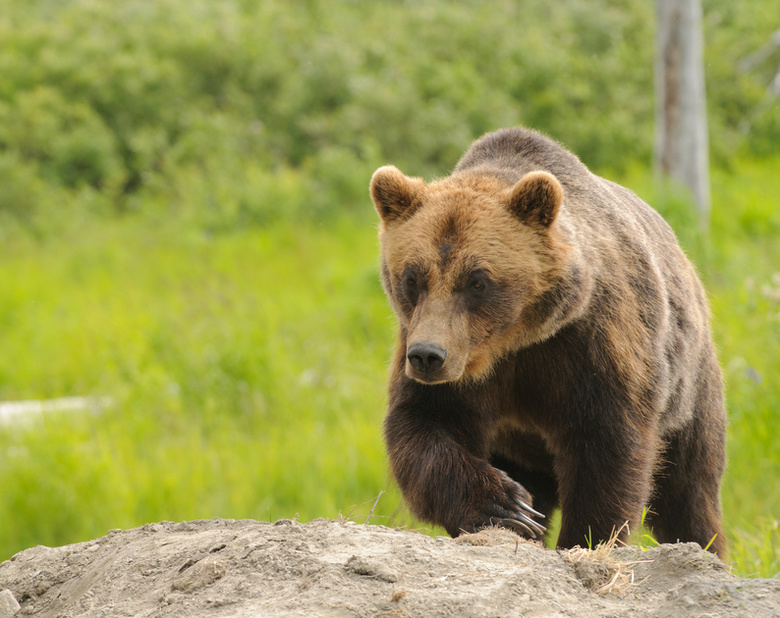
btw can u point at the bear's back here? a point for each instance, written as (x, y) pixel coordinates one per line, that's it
(594, 206)
(514, 152)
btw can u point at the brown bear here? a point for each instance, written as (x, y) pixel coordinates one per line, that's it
(554, 351)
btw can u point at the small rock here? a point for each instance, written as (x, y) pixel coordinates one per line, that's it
(8, 604)
(203, 573)
(371, 568)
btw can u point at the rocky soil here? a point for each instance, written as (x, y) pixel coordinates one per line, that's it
(339, 568)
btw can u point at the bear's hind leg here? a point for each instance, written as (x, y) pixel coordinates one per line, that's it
(686, 501)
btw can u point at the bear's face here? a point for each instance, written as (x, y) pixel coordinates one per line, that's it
(463, 261)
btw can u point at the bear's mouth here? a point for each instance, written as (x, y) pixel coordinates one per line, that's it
(428, 380)
(424, 376)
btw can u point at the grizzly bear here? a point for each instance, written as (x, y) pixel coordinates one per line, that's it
(554, 350)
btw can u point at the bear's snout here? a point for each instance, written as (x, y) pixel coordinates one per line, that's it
(426, 357)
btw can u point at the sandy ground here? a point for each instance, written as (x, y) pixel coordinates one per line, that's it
(339, 568)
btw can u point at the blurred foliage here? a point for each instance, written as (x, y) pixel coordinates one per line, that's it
(239, 112)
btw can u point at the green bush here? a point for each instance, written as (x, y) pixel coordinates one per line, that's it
(67, 140)
(133, 99)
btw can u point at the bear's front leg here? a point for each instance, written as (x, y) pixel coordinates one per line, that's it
(605, 479)
(436, 445)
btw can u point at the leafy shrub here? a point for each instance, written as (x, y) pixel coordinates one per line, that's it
(132, 99)
(67, 140)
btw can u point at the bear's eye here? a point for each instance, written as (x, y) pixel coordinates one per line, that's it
(477, 281)
(476, 290)
(410, 287)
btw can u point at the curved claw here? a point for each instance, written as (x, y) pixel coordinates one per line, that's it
(526, 507)
(534, 525)
(518, 526)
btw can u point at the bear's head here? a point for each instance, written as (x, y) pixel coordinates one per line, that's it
(468, 264)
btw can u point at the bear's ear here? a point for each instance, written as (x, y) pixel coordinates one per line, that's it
(536, 199)
(395, 195)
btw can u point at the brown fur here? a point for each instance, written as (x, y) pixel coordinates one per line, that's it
(554, 347)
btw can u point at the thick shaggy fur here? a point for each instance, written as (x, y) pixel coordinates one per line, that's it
(554, 350)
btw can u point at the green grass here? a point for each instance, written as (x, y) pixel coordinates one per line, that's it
(247, 370)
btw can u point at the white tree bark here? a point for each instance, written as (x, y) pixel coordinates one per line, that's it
(681, 140)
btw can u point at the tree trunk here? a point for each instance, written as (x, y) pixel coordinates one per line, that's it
(681, 142)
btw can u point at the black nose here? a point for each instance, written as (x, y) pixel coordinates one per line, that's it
(426, 357)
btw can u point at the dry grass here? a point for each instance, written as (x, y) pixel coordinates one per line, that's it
(599, 570)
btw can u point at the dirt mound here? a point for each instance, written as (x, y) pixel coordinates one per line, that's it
(330, 568)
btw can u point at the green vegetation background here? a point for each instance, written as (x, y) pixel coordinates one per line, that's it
(185, 228)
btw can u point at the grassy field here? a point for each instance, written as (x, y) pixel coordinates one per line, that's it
(247, 370)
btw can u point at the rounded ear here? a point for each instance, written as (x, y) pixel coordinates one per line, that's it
(536, 199)
(395, 195)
